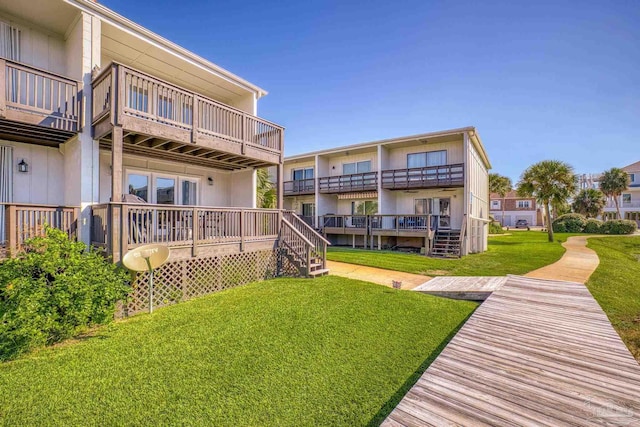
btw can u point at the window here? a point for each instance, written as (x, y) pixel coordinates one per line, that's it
(495, 204)
(364, 207)
(300, 174)
(632, 178)
(308, 209)
(189, 192)
(430, 158)
(356, 167)
(138, 185)
(524, 204)
(9, 41)
(422, 206)
(165, 191)
(626, 197)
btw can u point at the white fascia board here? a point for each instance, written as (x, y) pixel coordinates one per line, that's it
(124, 24)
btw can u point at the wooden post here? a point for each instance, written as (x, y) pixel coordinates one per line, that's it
(3, 88)
(11, 230)
(280, 189)
(195, 119)
(116, 232)
(242, 230)
(308, 260)
(195, 223)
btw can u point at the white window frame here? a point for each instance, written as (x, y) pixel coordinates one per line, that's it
(356, 163)
(152, 176)
(632, 178)
(622, 197)
(523, 204)
(496, 204)
(426, 158)
(304, 173)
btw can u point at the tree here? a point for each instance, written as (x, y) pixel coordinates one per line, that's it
(550, 182)
(500, 185)
(613, 183)
(265, 191)
(589, 202)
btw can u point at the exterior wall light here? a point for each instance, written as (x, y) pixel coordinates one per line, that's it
(210, 181)
(23, 166)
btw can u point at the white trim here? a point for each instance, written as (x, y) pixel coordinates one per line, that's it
(152, 188)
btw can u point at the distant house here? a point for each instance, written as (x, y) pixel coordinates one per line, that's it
(421, 191)
(515, 208)
(629, 201)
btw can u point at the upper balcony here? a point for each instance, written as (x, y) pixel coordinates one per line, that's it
(37, 106)
(162, 120)
(425, 177)
(366, 181)
(299, 187)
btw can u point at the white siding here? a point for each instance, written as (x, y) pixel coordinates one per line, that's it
(335, 163)
(44, 183)
(398, 156)
(289, 167)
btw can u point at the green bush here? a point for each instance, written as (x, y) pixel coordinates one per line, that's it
(619, 226)
(593, 226)
(55, 290)
(569, 223)
(495, 228)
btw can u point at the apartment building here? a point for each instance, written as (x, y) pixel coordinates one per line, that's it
(516, 208)
(123, 138)
(428, 192)
(629, 201)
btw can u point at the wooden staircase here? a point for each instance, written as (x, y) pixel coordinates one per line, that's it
(303, 246)
(447, 244)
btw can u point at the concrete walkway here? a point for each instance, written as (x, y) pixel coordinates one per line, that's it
(576, 265)
(376, 275)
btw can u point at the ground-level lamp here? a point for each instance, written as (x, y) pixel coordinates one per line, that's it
(146, 258)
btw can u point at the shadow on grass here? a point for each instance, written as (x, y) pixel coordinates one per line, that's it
(390, 404)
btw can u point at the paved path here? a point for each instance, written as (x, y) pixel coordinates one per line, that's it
(536, 352)
(376, 275)
(576, 265)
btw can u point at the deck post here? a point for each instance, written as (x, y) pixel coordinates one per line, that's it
(280, 189)
(242, 230)
(195, 118)
(11, 229)
(195, 224)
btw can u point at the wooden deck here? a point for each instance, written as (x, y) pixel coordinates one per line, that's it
(468, 288)
(536, 352)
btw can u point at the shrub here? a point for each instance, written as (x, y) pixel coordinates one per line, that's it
(593, 226)
(569, 223)
(619, 226)
(495, 228)
(55, 290)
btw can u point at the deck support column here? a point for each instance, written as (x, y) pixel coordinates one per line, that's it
(116, 194)
(280, 189)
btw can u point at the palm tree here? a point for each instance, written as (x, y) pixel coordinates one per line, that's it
(612, 183)
(500, 185)
(550, 182)
(265, 191)
(589, 202)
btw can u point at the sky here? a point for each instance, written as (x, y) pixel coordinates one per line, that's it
(538, 79)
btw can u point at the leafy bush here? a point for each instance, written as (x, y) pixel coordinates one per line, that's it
(619, 226)
(569, 223)
(593, 226)
(55, 290)
(495, 228)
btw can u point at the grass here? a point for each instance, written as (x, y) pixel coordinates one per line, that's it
(615, 285)
(516, 253)
(330, 351)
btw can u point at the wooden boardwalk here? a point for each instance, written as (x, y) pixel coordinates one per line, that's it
(536, 352)
(461, 287)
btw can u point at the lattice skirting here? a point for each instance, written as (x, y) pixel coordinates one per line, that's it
(185, 279)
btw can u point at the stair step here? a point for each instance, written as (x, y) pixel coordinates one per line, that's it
(321, 272)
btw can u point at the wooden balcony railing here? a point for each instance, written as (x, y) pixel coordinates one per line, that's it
(24, 221)
(378, 224)
(299, 187)
(186, 116)
(367, 181)
(427, 177)
(179, 226)
(33, 96)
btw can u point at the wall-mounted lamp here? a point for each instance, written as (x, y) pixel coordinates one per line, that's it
(333, 168)
(210, 180)
(23, 166)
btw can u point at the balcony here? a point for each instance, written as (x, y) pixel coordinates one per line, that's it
(623, 205)
(299, 187)
(382, 225)
(37, 106)
(367, 181)
(162, 120)
(426, 177)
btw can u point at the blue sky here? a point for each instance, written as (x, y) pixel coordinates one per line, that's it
(539, 79)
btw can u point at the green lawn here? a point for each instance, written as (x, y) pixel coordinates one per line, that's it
(616, 285)
(329, 351)
(517, 253)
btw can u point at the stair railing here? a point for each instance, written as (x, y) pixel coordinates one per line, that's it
(318, 242)
(298, 246)
(463, 231)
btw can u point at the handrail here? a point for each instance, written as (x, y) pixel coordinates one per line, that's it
(428, 176)
(297, 233)
(350, 182)
(292, 215)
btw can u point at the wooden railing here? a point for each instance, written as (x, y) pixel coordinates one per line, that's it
(297, 245)
(379, 224)
(38, 97)
(24, 221)
(299, 186)
(318, 242)
(430, 176)
(179, 226)
(145, 97)
(367, 181)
